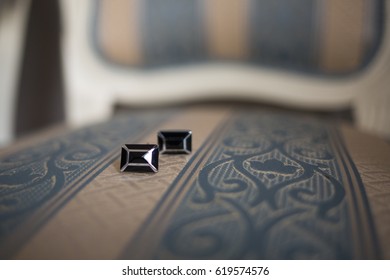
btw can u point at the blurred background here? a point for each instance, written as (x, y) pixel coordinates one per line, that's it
(31, 80)
(74, 62)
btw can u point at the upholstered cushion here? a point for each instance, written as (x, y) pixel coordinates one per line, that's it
(324, 37)
(259, 184)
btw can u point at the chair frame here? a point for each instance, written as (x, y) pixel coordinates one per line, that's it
(94, 86)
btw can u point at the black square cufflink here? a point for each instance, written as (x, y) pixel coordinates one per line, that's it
(144, 157)
(139, 158)
(175, 141)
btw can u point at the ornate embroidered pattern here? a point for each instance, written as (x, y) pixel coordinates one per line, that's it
(269, 186)
(36, 181)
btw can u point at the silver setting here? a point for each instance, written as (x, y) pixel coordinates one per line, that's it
(175, 141)
(139, 158)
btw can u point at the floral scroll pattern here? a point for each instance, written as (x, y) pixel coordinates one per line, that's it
(33, 176)
(272, 188)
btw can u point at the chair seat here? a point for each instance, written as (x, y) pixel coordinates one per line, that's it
(260, 183)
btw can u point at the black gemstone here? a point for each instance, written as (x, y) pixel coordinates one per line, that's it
(175, 141)
(139, 158)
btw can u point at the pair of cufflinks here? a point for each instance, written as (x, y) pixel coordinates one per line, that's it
(144, 157)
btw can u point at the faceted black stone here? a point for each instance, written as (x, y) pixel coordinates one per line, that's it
(139, 158)
(175, 141)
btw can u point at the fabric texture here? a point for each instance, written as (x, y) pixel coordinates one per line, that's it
(328, 37)
(260, 184)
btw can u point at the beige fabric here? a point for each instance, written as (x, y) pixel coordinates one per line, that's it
(342, 34)
(372, 158)
(226, 27)
(120, 30)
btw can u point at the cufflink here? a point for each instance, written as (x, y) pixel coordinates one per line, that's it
(139, 158)
(175, 141)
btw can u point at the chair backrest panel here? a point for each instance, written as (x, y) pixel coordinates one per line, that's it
(324, 37)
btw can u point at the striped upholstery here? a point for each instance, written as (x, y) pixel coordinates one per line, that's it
(318, 36)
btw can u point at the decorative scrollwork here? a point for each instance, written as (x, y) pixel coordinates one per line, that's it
(31, 177)
(283, 180)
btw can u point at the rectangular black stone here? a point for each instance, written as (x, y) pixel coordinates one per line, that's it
(139, 158)
(175, 141)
